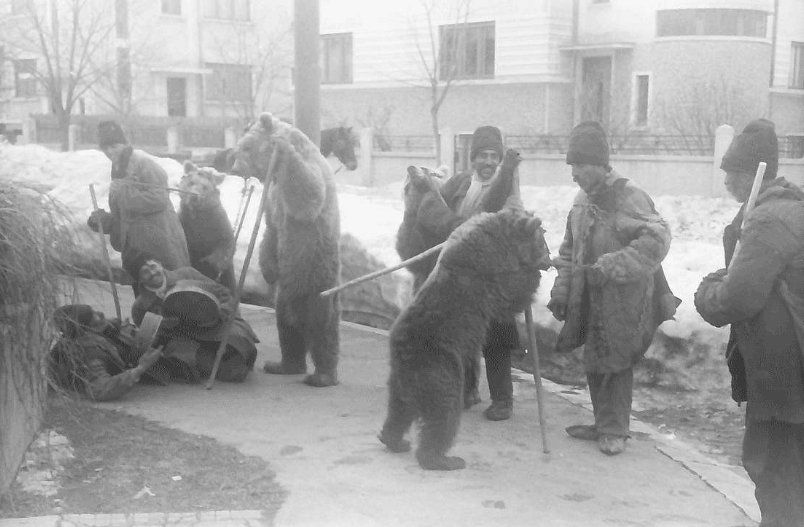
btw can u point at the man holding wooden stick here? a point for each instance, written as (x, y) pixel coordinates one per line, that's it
(492, 185)
(761, 294)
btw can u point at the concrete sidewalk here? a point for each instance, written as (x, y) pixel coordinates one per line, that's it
(322, 444)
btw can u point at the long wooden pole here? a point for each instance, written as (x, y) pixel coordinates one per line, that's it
(105, 253)
(749, 205)
(537, 377)
(242, 281)
(371, 276)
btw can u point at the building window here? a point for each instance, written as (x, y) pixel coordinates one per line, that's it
(336, 58)
(228, 83)
(25, 78)
(729, 22)
(797, 65)
(226, 9)
(641, 99)
(467, 51)
(171, 7)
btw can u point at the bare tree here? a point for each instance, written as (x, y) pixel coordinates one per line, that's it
(377, 120)
(68, 38)
(439, 59)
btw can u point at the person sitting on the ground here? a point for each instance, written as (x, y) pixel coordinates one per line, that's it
(198, 312)
(98, 358)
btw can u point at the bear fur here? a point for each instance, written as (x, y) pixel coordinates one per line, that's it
(488, 269)
(299, 252)
(206, 225)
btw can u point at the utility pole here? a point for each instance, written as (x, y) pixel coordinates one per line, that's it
(123, 54)
(307, 70)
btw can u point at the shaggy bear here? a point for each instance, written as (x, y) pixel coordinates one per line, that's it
(299, 252)
(206, 225)
(488, 269)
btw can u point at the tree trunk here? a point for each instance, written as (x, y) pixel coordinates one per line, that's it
(64, 129)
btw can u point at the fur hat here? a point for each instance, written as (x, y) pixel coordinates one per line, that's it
(756, 143)
(588, 145)
(110, 133)
(486, 138)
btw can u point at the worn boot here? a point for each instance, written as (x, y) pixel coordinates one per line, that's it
(611, 445)
(585, 432)
(499, 410)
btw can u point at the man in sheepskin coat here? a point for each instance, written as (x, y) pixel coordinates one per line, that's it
(610, 290)
(761, 294)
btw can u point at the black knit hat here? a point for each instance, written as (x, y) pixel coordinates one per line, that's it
(110, 133)
(486, 138)
(756, 143)
(588, 145)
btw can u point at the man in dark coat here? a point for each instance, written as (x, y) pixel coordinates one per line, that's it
(610, 291)
(761, 294)
(142, 218)
(441, 210)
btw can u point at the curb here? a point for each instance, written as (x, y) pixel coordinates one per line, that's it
(723, 478)
(247, 518)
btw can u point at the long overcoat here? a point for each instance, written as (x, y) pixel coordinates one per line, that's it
(618, 232)
(762, 297)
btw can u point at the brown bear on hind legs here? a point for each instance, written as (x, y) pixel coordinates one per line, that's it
(206, 225)
(299, 250)
(489, 268)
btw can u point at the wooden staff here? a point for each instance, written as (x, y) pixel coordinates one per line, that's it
(239, 292)
(537, 376)
(242, 217)
(105, 254)
(749, 205)
(371, 276)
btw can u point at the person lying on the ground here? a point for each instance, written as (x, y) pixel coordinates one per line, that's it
(100, 359)
(198, 314)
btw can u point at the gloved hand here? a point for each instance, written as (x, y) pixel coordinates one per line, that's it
(558, 308)
(100, 218)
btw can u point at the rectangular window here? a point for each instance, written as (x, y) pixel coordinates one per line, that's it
(641, 98)
(336, 58)
(227, 9)
(171, 7)
(467, 51)
(797, 65)
(25, 78)
(711, 21)
(228, 83)
(18, 7)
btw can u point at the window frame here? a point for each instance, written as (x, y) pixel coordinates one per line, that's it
(483, 36)
(636, 122)
(231, 10)
(711, 22)
(171, 7)
(795, 79)
(26, 85)
(345, 75)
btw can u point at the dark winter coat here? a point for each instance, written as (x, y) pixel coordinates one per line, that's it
(762, 297)
(617, 235)
(143, 218)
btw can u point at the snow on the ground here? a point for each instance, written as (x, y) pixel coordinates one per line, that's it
(373, 214)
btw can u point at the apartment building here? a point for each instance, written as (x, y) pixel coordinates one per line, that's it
(537, 67)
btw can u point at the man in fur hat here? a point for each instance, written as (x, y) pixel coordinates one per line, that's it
(142, 217)
(440, 211)
(761, 294)
(610, 291)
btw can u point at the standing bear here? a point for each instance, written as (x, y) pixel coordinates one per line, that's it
(488, 269)
(299, 251)
(206, 225)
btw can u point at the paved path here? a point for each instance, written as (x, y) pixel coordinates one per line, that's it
(322, 444)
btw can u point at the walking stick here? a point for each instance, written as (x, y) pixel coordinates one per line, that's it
(749, 205)
(371, 276)
(242, 217)
(239, 292)
(537, 376)
(105, 254)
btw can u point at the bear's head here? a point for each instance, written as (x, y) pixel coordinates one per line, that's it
(420, 181)
(200, 186)
(504, 251)
(252, 155)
